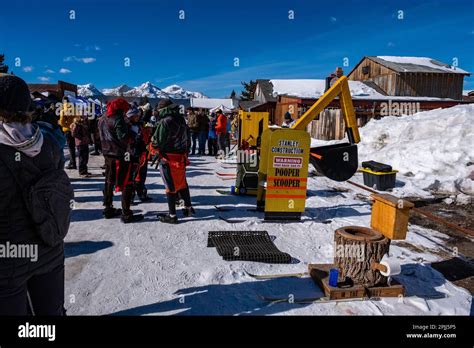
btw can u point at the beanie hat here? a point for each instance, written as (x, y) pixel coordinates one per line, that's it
(14, 94)
(119, 104)
(287, 116)
(133, 112)
(164, 103)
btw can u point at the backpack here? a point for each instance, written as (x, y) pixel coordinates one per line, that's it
(48, 195)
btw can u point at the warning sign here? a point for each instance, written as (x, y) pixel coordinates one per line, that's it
(287, 162)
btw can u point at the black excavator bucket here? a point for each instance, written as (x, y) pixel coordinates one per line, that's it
(338, 162)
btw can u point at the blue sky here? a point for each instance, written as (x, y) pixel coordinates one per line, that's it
(198, 52)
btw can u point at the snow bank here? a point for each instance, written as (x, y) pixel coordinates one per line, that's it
(433, 150)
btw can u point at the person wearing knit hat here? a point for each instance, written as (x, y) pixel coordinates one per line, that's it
(288, 121)
(139, 139)
(29, 155)
(115, 134)
(172, 141)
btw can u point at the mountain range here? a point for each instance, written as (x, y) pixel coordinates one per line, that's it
(146, 89)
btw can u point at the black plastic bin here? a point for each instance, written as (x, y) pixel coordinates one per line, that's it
(379, 176)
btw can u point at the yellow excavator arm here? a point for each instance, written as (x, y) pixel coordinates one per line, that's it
(341, 89)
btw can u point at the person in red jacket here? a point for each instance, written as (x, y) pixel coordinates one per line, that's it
(221, 131)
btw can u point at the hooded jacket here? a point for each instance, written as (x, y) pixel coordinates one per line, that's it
(113, 130)
(172, 133)
(221, 127)
(66, 116)
(16, 226)
(80, 132)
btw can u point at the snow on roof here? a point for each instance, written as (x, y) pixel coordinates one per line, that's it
(314, 89)
(423, 62)
(211, 103)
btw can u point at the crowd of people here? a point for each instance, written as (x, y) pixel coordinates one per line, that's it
(127, 135)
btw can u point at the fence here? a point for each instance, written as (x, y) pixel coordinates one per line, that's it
(330, 125)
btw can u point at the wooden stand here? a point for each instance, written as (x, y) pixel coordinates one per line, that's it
(390, 216)
(320, 275)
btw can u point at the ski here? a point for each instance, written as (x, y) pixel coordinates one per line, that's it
(230, 208)
(321, 299)
(275, 276)
(226, 174)
(227, 178)
(225, 192)
(91, 176)
(230, 221)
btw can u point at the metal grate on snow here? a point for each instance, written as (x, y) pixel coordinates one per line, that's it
(246, 246)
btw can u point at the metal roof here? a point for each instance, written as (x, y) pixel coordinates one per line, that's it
(416, 68)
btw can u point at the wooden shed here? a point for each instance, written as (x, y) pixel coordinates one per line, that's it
(411, 76)
(57, 91)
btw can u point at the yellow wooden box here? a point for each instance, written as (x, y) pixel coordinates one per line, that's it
(390, 215)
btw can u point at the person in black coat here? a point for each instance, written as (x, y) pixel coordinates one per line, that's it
(32, 281)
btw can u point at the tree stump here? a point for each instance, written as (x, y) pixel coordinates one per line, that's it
(356, 250)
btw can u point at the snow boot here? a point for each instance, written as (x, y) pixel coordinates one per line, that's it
(110, 213)
(188, 211)
(71, 166)
(126, 219)
(167, 218)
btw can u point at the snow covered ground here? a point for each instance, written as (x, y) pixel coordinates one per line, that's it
(151, 268)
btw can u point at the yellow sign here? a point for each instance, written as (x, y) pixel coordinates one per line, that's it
(286, 159)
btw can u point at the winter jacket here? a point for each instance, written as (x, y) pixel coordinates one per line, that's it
(212, 129)
(80, 132)
(66, 116)
(193, 122)
(137, 143)
(113, 129)
(172, 133)
(114, 135)
(203, 123)
(221, 126)
(16, 226)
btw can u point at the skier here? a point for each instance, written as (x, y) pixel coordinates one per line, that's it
(193, 124)
(203, 122)
(65, 120)
(221, 132)
(38, 276)
(288, 121)
(80, 133)
(139, 141)
(171, 140)
(212, 137)
(115, 138)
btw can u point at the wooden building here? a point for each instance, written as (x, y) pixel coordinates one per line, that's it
(56, 91)
(411, 76)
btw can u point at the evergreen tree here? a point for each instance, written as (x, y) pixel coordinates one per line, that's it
(249, 89)
(232, 95)
(3, 67)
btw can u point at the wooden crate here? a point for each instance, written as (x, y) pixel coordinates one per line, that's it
(320, 275)
(390, 215)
